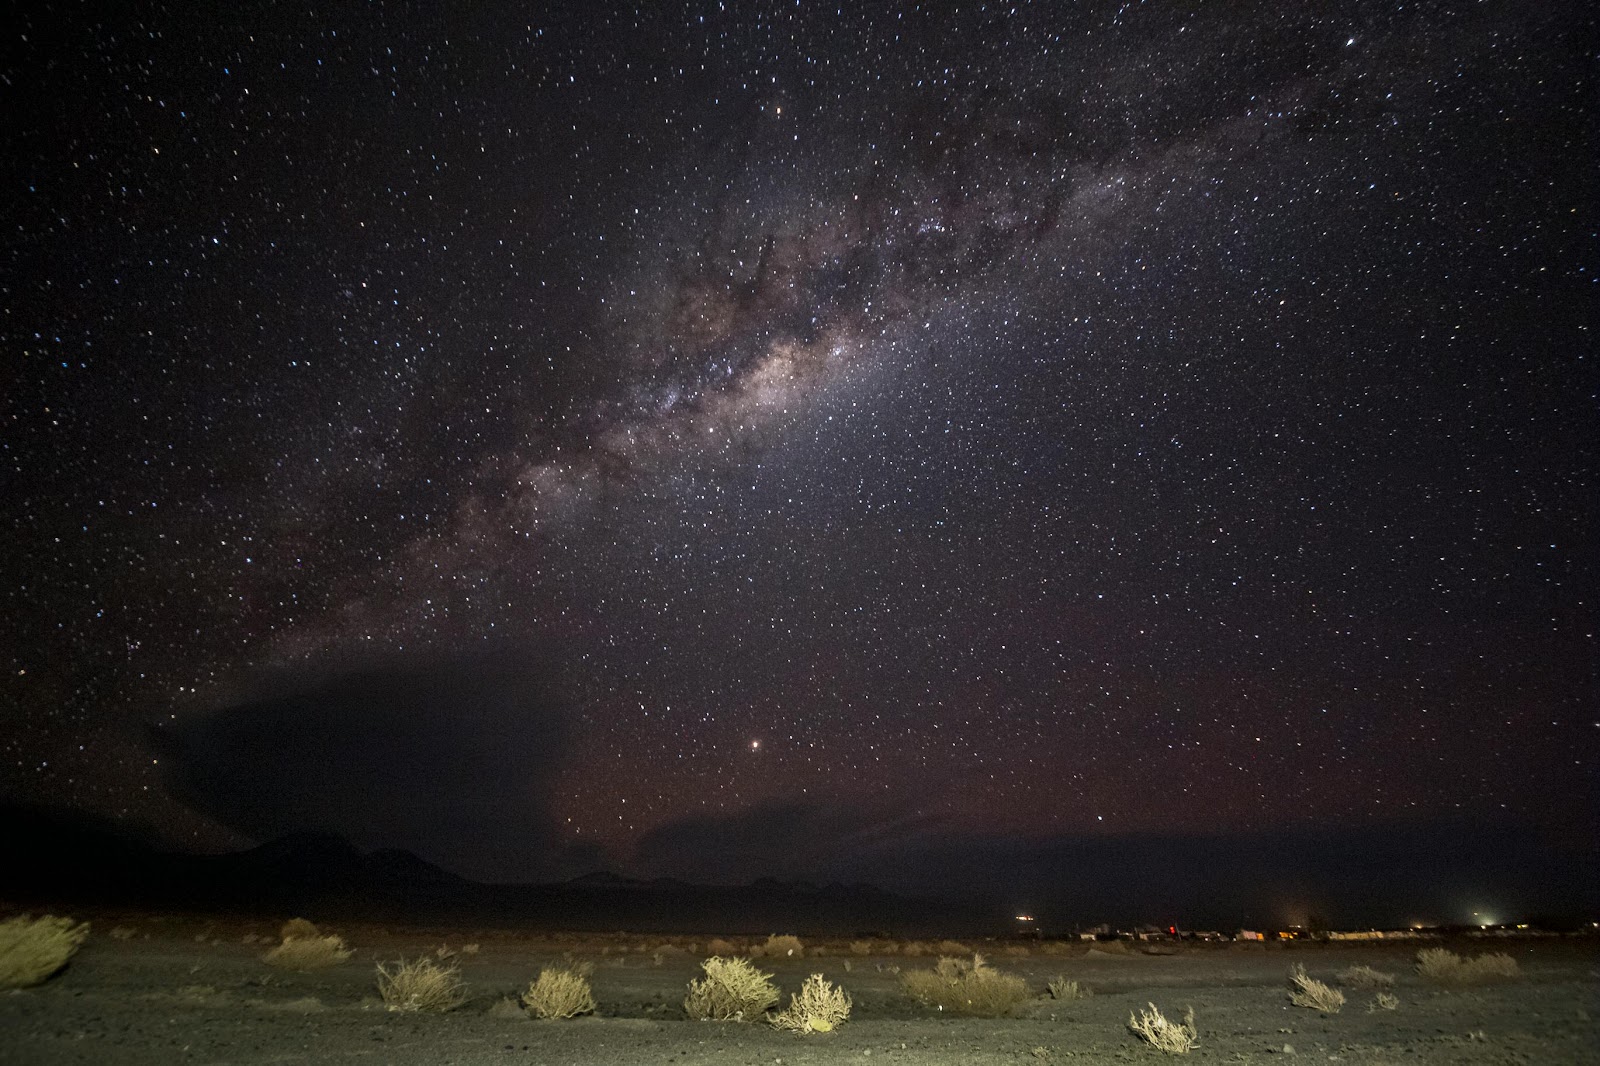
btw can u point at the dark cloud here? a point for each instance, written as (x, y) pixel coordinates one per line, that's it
(451, 761)
(1435, 871)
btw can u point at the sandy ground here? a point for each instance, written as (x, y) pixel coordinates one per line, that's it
(191, 991)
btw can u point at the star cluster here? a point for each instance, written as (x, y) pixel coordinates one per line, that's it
(1022, 419)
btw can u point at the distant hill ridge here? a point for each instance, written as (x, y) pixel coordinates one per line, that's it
(66, 857)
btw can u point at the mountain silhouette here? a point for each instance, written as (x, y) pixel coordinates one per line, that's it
(61, 857)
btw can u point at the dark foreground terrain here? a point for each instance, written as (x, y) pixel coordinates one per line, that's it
(174, 990)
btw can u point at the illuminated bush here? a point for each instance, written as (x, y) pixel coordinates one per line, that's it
(33, 950)
(306, 953)
(779, 947)
(1447, 968)
(1383, 1001)
(961, 987)
(559, 994)
(731, 991)
(818, 1007)
(1155, 1029)
(421, 985)
(1062, 989)
(1307, 991)
(298, 929)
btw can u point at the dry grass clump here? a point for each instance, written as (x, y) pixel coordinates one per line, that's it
(1439, 964)
(1495, 966)
(1448, 968)
(1159, 1032)
(1307, 991)
(961, 987)
(731, 991)
(819, 1007)
(33, 950)
(781, 947)
(1365, 977)
(559, 994)
(421, 985)
(306, 953)
(950, 947)
(1066, 991)
(298, 929)
(1383, 1001)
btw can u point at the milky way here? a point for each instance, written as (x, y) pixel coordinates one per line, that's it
(930, 213)
(878, 426)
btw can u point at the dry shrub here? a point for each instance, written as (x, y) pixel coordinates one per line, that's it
(1496, 966)
(961, 987)
(781, 947)
(307, 953)
(124, 932)
(1448, 968)
(1383, 1001)
(1164, 1035)
(861, 947)
(722, 948)
(950, 947)
(559, 994)
(1017, 951)
(298, 929)
(1365, 977)
(915, 948)
(33, 950)
(1307, 991)
(731, 991)
(1066, 991)
(421, 985)
(1438, 964)
(818, 1007)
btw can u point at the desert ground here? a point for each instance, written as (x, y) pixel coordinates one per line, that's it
(167, 990)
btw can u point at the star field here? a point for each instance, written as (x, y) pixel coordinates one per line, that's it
(1007, 419)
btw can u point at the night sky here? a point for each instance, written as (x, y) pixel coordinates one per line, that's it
(948, 445)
